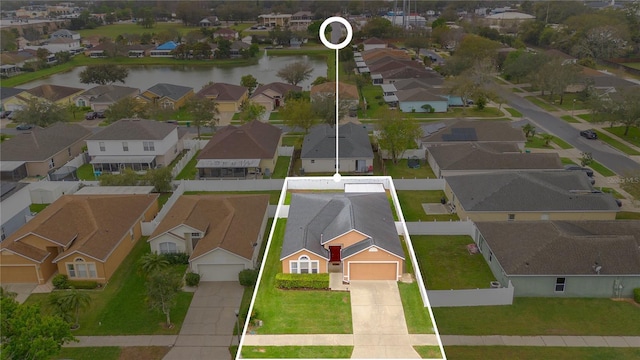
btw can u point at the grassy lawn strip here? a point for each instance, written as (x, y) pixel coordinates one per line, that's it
(601, 169)
(567, 161)
(536, 142)
(297, 352)
(628, 215)
(616, 144)
(402, 171)
(569, 119)
(541, 103)
(85, 172)
(539, 352)
(295, 141)
(563, 144)
(633, 136)
(189, 171)
(298, 312)
(428, 352)
(513, 112)
(282, 167)
(36, 208)
(612, 191)
(411, 203)
(446, 263)
(415, 314)
(274, 195)
(542, 316)
(94, 353)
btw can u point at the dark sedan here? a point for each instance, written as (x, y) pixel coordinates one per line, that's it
(589, 134)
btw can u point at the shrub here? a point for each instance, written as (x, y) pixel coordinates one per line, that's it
(177, 258)
(83, 284)
(378, 97)
(248, 277)
(192, 279)
(60, 281)
(636, 295)
(381, 103)
(302, 281)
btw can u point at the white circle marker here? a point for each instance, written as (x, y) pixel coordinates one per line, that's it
(337, 177)
(347, 26)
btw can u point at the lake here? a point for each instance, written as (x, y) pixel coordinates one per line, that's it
(144, 77)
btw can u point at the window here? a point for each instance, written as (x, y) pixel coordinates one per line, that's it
(313, 161)
(195, 235)
(52, 164)
(125, 146)
(560, 283)
(80, 269)
(102, 147)
(511, 217)
(148, 146)
(304, 265)
(168, 248)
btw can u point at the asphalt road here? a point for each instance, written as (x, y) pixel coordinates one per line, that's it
(607, 156)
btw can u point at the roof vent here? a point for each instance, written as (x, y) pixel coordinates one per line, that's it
(597, 268)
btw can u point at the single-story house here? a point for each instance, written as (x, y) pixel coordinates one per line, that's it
(421, 100)
(563, 258)
(318, 152)
(137, 50)
(473, 158)
(237, 47)
(472, 131)
(83, 237)
(374, 43)
(272, 95)
(167, 96)
(61, 95)
(229, 97)
(43, 150)
(528, 195)
(220, 233)
(374, 54)
(164, 50)
(247, 151)
(426, 83)
(100, 97)
(8, 101)
(226, 33)
(349, 233)
(209, 21)
(348, 93)
(405, 72)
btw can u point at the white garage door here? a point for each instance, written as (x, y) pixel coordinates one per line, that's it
(209, 272)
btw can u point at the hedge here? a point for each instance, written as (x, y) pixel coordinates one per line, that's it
(248, 277)
(83, 284)
(302, 281)
(636, 295)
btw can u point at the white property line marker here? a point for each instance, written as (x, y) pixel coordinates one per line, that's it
(336, 47)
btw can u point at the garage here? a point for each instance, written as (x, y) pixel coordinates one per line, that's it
(373, 271)
(219, 272)
(18, 275)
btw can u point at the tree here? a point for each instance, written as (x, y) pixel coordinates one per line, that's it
(324, 108)
(250, 82)
(103, 74)
(547, 138)
(380, 28)
(625, 107)
(8, 40)
(62, 57)
(148, 20)
(70, 303)
(295, 72)
(224, 49)
(160, 179)
(152, 262)
(162, 289)
(203, 111)
(27, 334)
(396, 134)
(40, 113)
(124, 108)
(42, 54)
(417, 42)
(529, 130)
(250, 110)
(586, 158)
(298, 113)
(127, 177)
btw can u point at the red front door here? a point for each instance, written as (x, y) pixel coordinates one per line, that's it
(334, 252)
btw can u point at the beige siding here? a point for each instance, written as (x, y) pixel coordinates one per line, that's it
(373, 258)
(534, 216)
(59, 159)
(322, 265)
(26, 274)
(346, 240)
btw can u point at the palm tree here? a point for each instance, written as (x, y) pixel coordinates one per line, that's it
(529, 130)
(69, 304)
(547, 139)
(153, 262)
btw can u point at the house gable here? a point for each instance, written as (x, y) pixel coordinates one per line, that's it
(345, 240)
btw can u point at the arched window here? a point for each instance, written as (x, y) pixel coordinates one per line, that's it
(304, 265)
(80, 269)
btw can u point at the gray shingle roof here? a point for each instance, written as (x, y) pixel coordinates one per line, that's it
(173, 92)
(418, 94)
(317, 218)
(406, 84)
(135, 129)
(353, 142)
(529, 191)
(485, 131)
(40, 144)
(7, 92)
(564, 247)
(109, 93)
(223, 92)
(481, 156)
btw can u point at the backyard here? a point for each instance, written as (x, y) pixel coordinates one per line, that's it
(401, 170)
(446, 263)
(274, 195)
(411, 203)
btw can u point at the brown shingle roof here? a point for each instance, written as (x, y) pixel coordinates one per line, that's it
(418, 94)
(374, 40)
(484, 130)
(135, 129)
(53, 93)
(222, 92)
(26, 250)
(253, 140)
(347, 91)
(373, 54)
(230, 222)
(39, 144)
(279, 87)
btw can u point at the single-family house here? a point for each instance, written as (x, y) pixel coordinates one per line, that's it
(389, 94)
(15, 204)
(59, 44)
(373, 43)
(348, 93)
(229, 97)
(164, 50)
(563, 258)
(100, 97)
(221, 234)
(65, 34)
(242, 152)
(387, 63)
(433, 82)
(474, 158)
(42, 150)
(372, 55)
(18, 58)
(272, 95)
(349, 233)
(421, 100)
(474, 131)
(8, 100)
(57, 94)
(167, 96)
(136, 144)
(209, 21)
(318, 152)
(301, 20)
(507, 19)
(404, 72)
(97, 51)
(528, 195)
(138, 50)
(237, 47)
(85, 237)
(273, 20)
(226, 33)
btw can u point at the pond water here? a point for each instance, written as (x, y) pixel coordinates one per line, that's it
(144, 77)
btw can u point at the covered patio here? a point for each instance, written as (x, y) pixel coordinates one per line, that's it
(114, 164)
(229, 168)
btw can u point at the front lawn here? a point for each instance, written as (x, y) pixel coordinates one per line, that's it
(402, 171)
(189, 171)
(415, 313)
(567, 161)
(446, 263)
(633, 136)
(514, 112)
(297, 352)
(561, 143)
(282, 167)
(542, 316)
(294, 311)
(612, 191)
(570, 102)
(540, 352)
(93, 353)
(616, 144)
(411, 203)
(428, 352)
(295, 141)
(536, 142)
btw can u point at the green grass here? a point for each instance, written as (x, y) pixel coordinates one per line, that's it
(411, 203)
(189, 171)
(402, 171)
(114, 30)
(541, 103)
(563, 144)
(616, 144)
(36, 208)
(282, 167)
(567, 161)
(297, 352)
(542, 316)
(415, 313)
(275, 115)
(628, 215)
(446, 263)
(93, 353)
(633, 136)
(567, 101)
(612, 191)
(536, 142)
(295, 141)
(298, 312)
(516, 90)
(514, 112)
(274, 195)
(85, 172)
(428, 352)
(124, 298)
(369, 92)
(601, 169)
(163, 198)
(590, 118)
(569, 119)
(539, 352)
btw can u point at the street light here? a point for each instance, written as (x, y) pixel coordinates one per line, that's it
(237, 311)
(573, 107)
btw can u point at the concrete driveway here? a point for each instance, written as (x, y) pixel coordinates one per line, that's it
(379, 327)
(22, 290)
(207, 330)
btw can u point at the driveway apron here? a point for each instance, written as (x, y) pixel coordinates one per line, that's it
(379, 327)
(207, 330)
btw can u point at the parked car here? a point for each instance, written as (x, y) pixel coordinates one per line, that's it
(587, 171)
(91, 115)
(24, 127)
(589, 134)
(175, 122)
(5, 114)
(101, 114)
